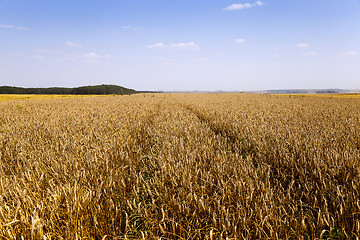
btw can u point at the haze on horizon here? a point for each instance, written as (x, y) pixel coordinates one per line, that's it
(183, 45)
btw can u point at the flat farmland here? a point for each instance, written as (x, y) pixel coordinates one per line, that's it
(328, 95)
(180, 166)
(10, 97)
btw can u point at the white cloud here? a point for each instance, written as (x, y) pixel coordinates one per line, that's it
(240, 6)
(259, 3)
(310, 53)
(72, 44)
(157, 45)
(349, 53)
(184, 46)
(240, 40)
(128, 27)
(189, 45)
(12, 27)
(303, 45)
(91, 55)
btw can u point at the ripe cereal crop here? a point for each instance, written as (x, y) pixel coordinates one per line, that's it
(180, 166)
(9, 97)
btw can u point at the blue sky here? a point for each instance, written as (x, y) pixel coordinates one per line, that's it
(181, 45)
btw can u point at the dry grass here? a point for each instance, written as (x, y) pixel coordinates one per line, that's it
(180, 166)
(10, 97)
(329, 95)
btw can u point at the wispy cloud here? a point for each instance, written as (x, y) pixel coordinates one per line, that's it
(189, 45)
(239, 40)
(240, 6)
(91, 55)
(159, 45)
(72, 44)
(128, 27)
(183, 46)
(349, 53)
(13, 27)
(303, 45)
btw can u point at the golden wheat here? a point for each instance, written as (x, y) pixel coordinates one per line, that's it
(9, 97)
(329, 95)
(180, 166)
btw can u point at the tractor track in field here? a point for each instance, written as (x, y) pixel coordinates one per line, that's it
(237, 143)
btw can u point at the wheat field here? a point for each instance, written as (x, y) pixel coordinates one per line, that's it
(180, 166)
(10, 97)
(328, 95)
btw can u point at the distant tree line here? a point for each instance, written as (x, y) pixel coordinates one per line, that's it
(86, 90)
(327, 91)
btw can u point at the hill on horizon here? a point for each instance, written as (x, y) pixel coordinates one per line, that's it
(103, 89)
